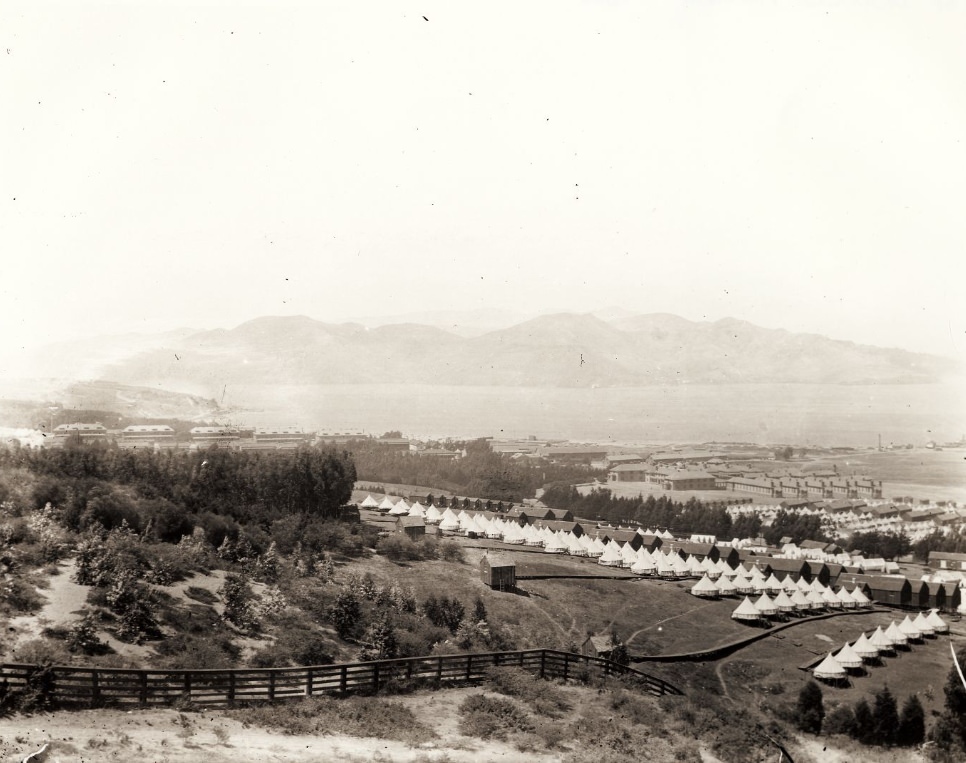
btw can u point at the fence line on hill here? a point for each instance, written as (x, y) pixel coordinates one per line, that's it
(94, 687)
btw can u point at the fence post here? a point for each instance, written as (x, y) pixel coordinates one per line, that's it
(343, 676)
(439, 669)
(95, 689)
(231, 688)
(308, 683)
(375, 677)
(187, 684)
(543, 662)
(521, 659)
(143, 694)
(566, 664)
(271, 686)
(409, 669)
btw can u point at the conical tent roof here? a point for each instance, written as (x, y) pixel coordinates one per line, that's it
(417, 510)
(938, 624)
(766, 606)
(783, 603)
(773, 584)
(910, 630)
(817, 586)
(611, 556)
(664, 567)
(449, 514)
(756, 574)
(803, 585)
(746, 611)
(695, 568)
(865, 648)
(829, 668)
(628, 555)
(598, 547)
(895, 635)
(705, 588)
(848, 658)
(573, 546)
(859, 597)
(644, 566)
(532, 536)
(386, 504)
(815, 600)
(714, 572)
(433, 515)
(554, 546)
(369, 503)
(587, 542)
(789, 585)
(725, 586)
(922, 624)
(831, 600)
(881, 641)
(846, 599)
(449, 524)
(726, 569)
(512, 533)
(495, 530)
(800, 600)
(680, 568)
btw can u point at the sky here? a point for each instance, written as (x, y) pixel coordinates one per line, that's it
(796, 165)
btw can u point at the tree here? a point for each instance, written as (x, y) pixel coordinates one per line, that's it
(864, 729)
(912, 723)
(346, 613)
(380, 641)
(840, 721)
(955, 715)
(886, 718)
(811, 710)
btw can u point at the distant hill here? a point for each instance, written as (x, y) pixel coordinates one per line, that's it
(562, 350)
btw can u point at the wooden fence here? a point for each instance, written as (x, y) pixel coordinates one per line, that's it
(95, 687)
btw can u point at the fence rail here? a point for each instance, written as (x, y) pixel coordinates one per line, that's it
(95, 687)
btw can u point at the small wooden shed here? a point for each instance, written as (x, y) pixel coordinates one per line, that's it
(498, 571)
(413, 527)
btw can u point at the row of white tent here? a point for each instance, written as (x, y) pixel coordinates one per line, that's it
(851, 656)
(789, 595)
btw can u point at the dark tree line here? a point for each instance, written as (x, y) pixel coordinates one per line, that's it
(480, 473)
(876, 544)
(688, 517)
(796, 526)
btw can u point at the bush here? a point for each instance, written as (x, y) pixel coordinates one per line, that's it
(840, 721)
(545, 698)
(491, 717)
(810, 708)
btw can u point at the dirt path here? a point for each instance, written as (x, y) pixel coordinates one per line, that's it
(639, 631)
(167, 735)
(64, 598)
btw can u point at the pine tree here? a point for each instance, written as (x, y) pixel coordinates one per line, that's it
(912, 723)
(346, 613)
(886, 715)
(811, 710)
(864, 729)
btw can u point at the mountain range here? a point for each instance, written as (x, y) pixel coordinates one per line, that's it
(560, 350)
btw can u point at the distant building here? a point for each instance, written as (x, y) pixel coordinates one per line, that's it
(148, 434)
(689, 480)
(585, 453)
(393, 443)
(264, 435)
(601, 646)
(943, 560)
(627, 473)
(84, 432)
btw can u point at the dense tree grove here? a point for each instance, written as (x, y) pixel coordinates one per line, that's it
(798, 527)
(481, 472)
(876, 544)
(166, 493)
(954, 543)
(681, 518)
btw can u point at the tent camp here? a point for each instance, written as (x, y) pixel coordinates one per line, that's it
(848, 658)
(938, 624)
(909, 630)
(895, 635)
(922, 624)
(865, 648)
(881, 641)
(726, 587)
(765, 606)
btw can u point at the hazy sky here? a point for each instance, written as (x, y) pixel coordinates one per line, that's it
(797, 165)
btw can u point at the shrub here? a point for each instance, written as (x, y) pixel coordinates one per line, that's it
(840, 720)
(491, 717)
(810, 708)
(545, 698)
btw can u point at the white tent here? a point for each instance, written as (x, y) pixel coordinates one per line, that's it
(910, 631)
(386, 504)
(800, 600)
(865, 648)
(705, 588)
(765, 606)
(665, 569)
(773, 584)
(532, 536)
(859, 597)
(574, 548)
(554, 546)
(845, 598)
(783, 603)
(401, 508)
(895, 635)
(449, 514)
(726, 587)
(938, 624)
(816, 600)
(881, 641)
(512, 534)
(495, 530)
(587, 542)
(831, 600)
(755, 573)
(695, 568)
(680, 568)
(369, 503)
(417, 510)
(628, 555)
(746, 611)
(829, 669)
(433, 515)
(744, 584)
(611, 556)
(644, 566)
(710, 568)
(596, 548)
(449, 524)
(803, 585)
(848, 658)
(726, 569)
(789, 585)
(922, 624)
(817, 586)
